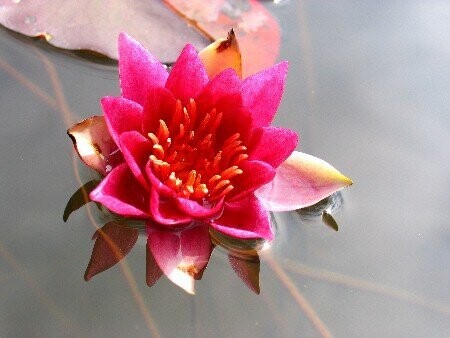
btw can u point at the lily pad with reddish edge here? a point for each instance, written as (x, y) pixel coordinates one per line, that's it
(95, 25)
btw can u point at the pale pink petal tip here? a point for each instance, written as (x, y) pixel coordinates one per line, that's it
(93, 142)
(300, 181)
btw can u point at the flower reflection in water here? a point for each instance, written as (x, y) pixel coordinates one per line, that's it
(191, 154)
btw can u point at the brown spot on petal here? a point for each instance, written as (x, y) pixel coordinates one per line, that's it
(191, 270)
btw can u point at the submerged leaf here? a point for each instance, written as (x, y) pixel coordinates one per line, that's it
(112, 243)
(258, 32)
(79, 198)
(95, 25)
(328, 219)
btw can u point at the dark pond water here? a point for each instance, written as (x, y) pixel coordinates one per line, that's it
(368, 91)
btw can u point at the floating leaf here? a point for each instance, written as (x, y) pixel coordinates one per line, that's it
(257, 31)
(79, 198)
(112, 243)
(95, 25)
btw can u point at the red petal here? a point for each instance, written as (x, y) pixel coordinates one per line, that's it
(121, 193)
(138, 70)
(188, 75)
(93, 142)
(113, 242)
(245, 218)
(300, 181)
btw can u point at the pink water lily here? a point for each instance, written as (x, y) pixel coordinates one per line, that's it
(194, 148)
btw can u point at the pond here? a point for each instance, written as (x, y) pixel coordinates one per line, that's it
(367, 90)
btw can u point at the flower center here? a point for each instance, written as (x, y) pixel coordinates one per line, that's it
(188, 159)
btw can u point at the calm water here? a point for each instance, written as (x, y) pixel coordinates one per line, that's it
(368, 91)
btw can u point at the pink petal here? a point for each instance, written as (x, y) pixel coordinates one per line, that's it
(262, 93)
(165, 211)
(188, 75)
(138, 70)
(121, 115)
(121, 193)
(113, 242)
(272, 145)
(93, 142)
(302, 180)
(255, 174)
(245, 218)
(136, 149)
(181, 255)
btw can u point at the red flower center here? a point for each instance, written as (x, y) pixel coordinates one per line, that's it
(188, 159)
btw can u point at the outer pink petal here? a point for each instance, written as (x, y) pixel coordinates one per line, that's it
(121, 115)
(262, 93)
(245, 218)
(272, 145)
(300, 181)
(255, 174)
(136, 149)
(188, 75)
(165, 211)
(93, 142)
(138, 70)
(121, 193)
(181, 255)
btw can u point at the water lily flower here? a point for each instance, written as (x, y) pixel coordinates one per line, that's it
(194, 148)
